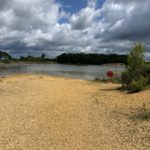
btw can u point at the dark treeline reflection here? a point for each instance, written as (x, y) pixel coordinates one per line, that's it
(95, 59)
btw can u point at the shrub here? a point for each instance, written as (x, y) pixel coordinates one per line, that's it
(147, 72)
(126, 78)
(101, 80)
(113, 80)
(135, 77)
(138, 85)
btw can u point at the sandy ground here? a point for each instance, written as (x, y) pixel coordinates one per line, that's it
(39, 112)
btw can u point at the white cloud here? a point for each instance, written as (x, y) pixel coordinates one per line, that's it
(85, 17)
(29, 15)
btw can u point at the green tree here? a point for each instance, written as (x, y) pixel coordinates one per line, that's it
(133, 78)
(43, 56)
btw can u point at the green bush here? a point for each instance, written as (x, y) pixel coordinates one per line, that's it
(147, 72)
(135, 78)
(116, 80)
(138, 85)
(101, 80)
(126, 78)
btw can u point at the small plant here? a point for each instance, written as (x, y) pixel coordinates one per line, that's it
(101, 80)
(116, 80)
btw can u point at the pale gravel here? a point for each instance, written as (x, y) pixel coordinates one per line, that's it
(39, 112)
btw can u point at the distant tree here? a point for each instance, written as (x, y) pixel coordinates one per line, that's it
(43, 56)
(5, 57)
(133, 78)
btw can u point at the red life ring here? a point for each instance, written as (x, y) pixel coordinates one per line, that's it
(110, 74)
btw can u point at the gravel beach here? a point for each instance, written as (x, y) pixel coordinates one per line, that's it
(39, 112)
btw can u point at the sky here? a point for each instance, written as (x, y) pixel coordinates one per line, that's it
(53, 27)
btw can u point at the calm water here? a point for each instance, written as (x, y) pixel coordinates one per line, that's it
(89, 72)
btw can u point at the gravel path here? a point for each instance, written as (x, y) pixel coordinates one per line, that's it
(39, 112)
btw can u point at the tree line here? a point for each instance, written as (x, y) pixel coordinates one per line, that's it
(7, 58)
(41, 59)
(68, 58)
(94, 59)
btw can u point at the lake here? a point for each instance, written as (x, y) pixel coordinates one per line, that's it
(89, 72)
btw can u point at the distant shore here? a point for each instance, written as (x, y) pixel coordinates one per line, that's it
(19, 62)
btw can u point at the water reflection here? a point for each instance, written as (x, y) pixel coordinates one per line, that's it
(89, 72)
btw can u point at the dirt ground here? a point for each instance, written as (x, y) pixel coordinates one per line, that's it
(39, 112)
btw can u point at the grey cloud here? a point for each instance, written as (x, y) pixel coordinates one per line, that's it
(133, 26)
(4, 4)
(32, 27)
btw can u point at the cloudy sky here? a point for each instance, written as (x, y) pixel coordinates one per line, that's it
(32, 27)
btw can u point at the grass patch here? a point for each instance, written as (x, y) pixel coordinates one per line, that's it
(142, 113)
(116, 80)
